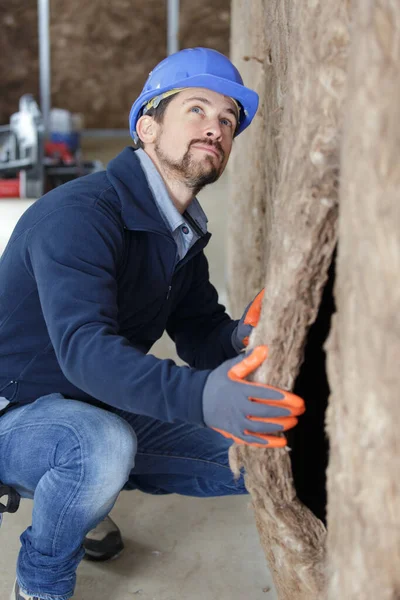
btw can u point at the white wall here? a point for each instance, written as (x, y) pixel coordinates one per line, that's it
(10, 212)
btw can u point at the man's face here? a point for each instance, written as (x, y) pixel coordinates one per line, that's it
(194, 140)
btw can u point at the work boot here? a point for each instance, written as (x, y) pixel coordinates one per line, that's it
(104, 542)
(16, 594)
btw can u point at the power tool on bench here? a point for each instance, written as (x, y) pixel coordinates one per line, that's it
(30, 165)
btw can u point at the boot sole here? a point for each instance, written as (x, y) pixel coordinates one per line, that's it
(103, 556)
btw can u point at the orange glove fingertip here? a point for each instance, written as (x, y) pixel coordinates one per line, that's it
(274, 441)
(253, 314)
(249, 363)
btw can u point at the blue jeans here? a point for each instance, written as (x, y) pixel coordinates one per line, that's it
(73, 459)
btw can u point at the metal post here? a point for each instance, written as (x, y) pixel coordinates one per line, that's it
(44, 60)
(173, 27)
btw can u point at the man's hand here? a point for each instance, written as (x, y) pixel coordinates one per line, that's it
(248, 412)
(249, 320)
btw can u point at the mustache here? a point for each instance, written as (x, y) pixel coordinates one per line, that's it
(208, 142)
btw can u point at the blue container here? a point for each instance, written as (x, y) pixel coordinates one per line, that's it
(72, 139)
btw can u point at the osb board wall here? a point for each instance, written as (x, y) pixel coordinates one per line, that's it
(101, 51)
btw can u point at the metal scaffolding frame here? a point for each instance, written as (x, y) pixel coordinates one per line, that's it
(45, 63)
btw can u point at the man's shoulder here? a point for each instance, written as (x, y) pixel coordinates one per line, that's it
(89, 198)
(88, 192)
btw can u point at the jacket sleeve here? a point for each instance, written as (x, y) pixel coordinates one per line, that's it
(73, 255)
(200, 326)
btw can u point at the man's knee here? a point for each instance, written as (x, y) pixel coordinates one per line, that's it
(98, 443)
(222, 481)
(227, 486)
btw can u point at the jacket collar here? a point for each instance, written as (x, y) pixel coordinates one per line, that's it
(138, 208)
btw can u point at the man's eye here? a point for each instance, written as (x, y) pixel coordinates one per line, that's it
(195, 109)
(226, 122)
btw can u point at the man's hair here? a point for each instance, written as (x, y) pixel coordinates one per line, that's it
(158, 115)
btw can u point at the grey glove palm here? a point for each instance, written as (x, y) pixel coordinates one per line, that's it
(248, 412)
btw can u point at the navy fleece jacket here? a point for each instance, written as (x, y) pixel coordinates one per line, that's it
(89, 280)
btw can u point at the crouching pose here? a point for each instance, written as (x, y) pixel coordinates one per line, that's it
(94, 273)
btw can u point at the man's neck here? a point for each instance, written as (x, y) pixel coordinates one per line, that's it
(178, 191)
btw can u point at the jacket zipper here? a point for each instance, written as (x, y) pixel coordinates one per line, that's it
(188, 256)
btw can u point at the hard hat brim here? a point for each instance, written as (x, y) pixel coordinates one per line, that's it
(245, 96)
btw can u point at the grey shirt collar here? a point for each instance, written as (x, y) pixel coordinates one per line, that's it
(172, 217)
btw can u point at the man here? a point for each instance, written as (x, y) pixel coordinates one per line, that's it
(93, 274)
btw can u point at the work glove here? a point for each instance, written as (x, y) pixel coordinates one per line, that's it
(249, 320)
(247, 412)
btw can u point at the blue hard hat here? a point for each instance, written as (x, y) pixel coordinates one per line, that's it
(197, 67)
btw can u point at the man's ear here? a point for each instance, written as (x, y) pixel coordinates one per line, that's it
(146, 128)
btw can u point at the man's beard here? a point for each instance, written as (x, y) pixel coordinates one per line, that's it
(195, 173)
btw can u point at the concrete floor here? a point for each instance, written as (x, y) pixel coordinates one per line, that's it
(177, 548)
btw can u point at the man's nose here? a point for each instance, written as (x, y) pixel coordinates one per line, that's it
(213, 130)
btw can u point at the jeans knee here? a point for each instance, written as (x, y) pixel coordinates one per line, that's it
(102, 448)
(115, 455)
